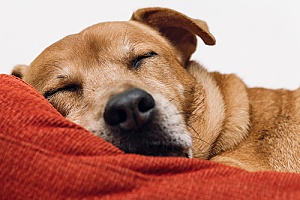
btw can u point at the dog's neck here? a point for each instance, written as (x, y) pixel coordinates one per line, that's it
(225, 120)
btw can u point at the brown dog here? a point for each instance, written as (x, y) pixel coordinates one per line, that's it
(133, 84)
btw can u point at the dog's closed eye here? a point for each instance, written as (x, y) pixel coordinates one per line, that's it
(138, 61)
(66, 88)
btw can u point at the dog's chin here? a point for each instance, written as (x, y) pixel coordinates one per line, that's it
(157, 149)
(154, 145)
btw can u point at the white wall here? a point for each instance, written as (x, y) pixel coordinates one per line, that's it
(258, 40)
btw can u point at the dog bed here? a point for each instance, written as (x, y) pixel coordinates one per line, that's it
(45, 156)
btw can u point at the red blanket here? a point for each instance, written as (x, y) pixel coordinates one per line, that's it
(44, 156)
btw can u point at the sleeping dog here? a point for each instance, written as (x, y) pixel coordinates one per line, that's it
(133, 84)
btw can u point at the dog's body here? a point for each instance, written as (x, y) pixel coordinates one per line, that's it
(132, 83)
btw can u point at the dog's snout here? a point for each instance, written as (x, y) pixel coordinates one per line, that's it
(129, 110)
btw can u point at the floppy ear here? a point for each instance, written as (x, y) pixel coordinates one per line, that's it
(177, 27)
(19, 71)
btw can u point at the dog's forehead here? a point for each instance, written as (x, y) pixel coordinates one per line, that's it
(121, 37)
(130, 29)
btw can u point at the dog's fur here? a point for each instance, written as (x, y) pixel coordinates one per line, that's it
(214, 115)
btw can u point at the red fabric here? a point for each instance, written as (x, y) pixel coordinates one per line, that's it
(44, 156)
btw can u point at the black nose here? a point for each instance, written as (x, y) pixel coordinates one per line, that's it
(129, 110)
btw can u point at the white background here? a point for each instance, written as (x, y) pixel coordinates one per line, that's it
(258, 40)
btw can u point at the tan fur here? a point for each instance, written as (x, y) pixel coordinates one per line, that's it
(250, 128)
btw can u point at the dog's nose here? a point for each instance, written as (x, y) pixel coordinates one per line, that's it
(129, 110)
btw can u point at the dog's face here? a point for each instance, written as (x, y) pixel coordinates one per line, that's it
(124, 82)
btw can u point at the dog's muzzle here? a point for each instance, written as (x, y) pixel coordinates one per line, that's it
(135, 125)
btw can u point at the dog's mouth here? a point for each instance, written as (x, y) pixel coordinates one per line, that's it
(156, 149)
(156, 142)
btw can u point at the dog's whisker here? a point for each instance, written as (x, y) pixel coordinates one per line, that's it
(170, 101)
(198, 138)
(201, 153)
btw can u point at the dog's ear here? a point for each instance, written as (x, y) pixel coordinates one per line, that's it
(177, 27)
(19, 71)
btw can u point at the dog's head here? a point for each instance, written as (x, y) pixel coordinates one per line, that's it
(126, 81)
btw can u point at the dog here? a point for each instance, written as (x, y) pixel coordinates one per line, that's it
(133, 84)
